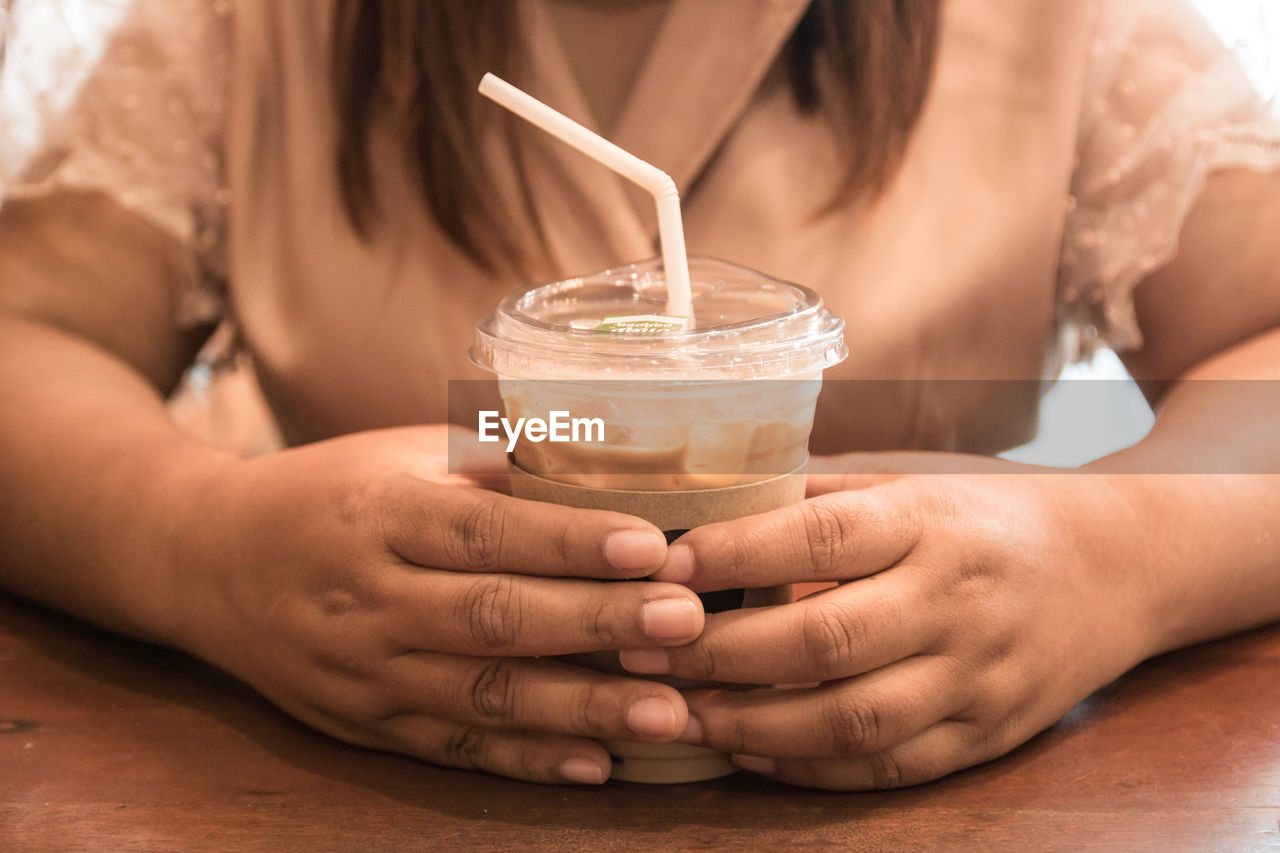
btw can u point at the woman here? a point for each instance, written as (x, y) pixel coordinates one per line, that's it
(981, 189)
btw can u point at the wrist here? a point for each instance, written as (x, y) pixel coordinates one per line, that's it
(191, 488)
(1202, 550)
(1115, 522)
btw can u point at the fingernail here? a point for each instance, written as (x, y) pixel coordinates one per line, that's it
(653, 717)
(692, 731)
(670, 618)
(634, 550)
(678, 567)
(645, 661)
(584, 771)
(755, 764)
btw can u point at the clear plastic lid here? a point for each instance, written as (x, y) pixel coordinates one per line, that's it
(747, 325)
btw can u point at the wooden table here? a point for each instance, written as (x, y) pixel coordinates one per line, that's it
(107, 744)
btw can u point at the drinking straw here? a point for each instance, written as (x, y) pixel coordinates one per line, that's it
(659, 184)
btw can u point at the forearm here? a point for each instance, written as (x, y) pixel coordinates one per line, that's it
(95, 478)
(1204, 493)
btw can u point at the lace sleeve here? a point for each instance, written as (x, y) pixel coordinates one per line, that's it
(125, 97)
(1167, 103)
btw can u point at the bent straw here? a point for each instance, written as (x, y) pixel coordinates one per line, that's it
(657, 182)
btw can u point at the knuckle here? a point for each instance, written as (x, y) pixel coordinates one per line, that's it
(748, 735)
(729, 554)
(492, 695)
(491, 612)
(831, 636)
(703, 661)
(973, 579)
(827, 530)
(353, 500)
(379, 709)
(526, 763)
(477, 538)
(736, 735)
(1004, 719)
(360, 508)
(398, 504)
(338, 601)
(733, 732)
(367, 707)
(599, 627)
(592, 713)
(807, 775)
(855, 725)
(983, 734)
(1004, 736)
(333, 722)
(940, 507)
(920, 509)
(345, 663)
(567, 552)
(886, 771)
(465, 748)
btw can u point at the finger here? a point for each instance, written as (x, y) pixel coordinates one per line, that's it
(942, 748)
(857, 717)
(536, 695)
(830, 538)
(530, 756)
(533, 756)
(840, 632)
(519, 616)
(474, 530)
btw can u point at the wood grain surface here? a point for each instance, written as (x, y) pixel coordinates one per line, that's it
(107, 744)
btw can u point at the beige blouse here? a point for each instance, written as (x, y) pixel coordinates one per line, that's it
(1059, 151)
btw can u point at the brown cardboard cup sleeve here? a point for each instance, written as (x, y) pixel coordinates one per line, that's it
(673, 512)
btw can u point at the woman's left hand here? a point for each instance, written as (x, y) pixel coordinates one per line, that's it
(971, 611)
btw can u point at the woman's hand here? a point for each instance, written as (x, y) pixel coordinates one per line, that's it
(370, 594)
(971, 611)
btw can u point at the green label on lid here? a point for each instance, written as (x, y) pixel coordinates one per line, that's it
(641, 324)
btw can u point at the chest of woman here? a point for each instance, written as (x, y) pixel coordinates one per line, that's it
(949, 275)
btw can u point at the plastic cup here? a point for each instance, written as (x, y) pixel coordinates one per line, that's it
(687, 409)
(700, 425)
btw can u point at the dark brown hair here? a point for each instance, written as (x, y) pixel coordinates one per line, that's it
(864, 64)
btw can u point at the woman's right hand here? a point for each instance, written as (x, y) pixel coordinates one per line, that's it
(375, 598)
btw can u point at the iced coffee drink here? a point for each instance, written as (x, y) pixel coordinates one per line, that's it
(680, 426)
